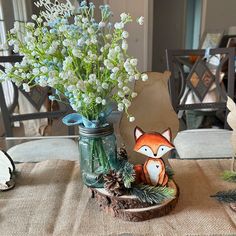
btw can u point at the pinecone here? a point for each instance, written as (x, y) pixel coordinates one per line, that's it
(122, 153)
(113, 183)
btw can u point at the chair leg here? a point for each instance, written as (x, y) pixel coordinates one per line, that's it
(5, 114)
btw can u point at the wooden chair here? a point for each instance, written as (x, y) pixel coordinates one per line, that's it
(37, 101)
(197, 74)
(152, 111)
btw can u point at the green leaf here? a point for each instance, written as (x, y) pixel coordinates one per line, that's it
(229, 176)
(226, 196)
(152, 194)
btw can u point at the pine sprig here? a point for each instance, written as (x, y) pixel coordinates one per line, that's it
(152, 194)
(226, 196)
(128, 174)
(229, 176)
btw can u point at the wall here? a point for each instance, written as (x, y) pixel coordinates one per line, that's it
(218, 14)
(168, 30)
(140, 40)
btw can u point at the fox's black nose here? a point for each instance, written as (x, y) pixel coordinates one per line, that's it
(155, 154)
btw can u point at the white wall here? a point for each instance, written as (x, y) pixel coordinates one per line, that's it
(218, 14)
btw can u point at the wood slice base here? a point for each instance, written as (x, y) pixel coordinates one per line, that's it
(129, 208)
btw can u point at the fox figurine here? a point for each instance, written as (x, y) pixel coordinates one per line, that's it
(154, 145)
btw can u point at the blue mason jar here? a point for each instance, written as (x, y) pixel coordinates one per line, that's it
(98, 153)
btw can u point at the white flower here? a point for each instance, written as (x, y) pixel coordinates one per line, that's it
(26, 87)
(35, 71)
(87, 100)
(101, 24)
(125, 34)
(98, 100)
(136, 77)
(108, 64)
(140, 20)
(99, 89)
(124, 16)
(113, 76)
(133, 95)
(92, 76)
(90, 30)
(121, 94)
(126, 89)
(144, 77)
(131, 119)
(44, 69)
(120, 85)
(104, 102)
(85, 20)
(80, 42)
(124, 45)
(134, 62)
(119, 25)
(12, 31)
(71, 88)
(117, 49)
(17, 26)
(11, 42)
(34, 17)
(126, 102)
(120, 107)
(105, 86)
(115, 70)
(39, 20)
(94, 40)
(30, 24)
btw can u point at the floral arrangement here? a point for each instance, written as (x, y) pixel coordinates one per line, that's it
(84, 60)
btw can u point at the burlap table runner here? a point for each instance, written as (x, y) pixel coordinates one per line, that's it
(49, 199)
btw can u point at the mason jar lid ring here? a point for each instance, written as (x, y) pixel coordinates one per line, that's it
(96, 132)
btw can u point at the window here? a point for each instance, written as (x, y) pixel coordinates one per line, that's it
(3, 37)
(20, 13)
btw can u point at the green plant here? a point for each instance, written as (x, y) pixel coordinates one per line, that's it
(226, 196)
(83, 59)
(152, 194)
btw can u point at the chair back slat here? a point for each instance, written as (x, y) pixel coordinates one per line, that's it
(196, 75)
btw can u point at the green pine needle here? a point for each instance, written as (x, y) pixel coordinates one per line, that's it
(226, 196)
(152, 194)
(229, 176)
(128, 174)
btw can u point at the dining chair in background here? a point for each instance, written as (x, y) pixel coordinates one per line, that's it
(36, 98)
(40, 148)
(199, 84)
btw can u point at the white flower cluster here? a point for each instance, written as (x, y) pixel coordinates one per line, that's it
(85, 60)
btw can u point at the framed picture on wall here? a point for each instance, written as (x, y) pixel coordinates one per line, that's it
(211, 39)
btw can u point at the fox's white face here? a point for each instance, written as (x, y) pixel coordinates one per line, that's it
(147, 151)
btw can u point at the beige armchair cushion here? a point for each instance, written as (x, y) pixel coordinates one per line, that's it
(45, 149)
(204, 143)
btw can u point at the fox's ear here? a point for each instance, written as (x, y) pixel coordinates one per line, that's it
(138, 132)
(167, 134)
